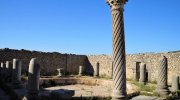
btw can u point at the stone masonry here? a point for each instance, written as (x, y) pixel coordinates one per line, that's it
(50, 62)
(151, 60)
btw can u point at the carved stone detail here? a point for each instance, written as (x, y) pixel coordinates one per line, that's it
(119, 61)
(162, 87)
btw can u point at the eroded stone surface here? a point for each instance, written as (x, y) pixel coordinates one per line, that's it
(119, 60)
(162, 87)
(175, 83)
(142, 73)
(16, 73)
(102, 90)
(33, 79)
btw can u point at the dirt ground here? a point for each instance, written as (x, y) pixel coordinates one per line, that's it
(87, 91)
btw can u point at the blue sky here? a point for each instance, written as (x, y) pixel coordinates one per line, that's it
(84, 26)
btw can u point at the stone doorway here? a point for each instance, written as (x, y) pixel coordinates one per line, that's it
(136, 71)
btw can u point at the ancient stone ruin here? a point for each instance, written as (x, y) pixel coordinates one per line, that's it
(35, 75)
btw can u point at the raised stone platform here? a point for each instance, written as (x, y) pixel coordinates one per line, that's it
(84, 86)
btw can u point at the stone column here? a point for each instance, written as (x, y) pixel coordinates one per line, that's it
(2, 65)
(134, 68)
(7, 64)
(16, 73)
(162, 87)
(33, 79)
(80, 70)
(175, 83)
(3, 68)
(96, 71)
(59, 72)
(9, 71)
(119, 61)
(142, 73)
(149, 72)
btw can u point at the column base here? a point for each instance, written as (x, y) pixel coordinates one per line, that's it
(144, 83)
(163, 92)
(59, 76)
(119, 95)
(96, 76)
(79, 74)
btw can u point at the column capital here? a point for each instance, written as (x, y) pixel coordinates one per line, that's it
(116, 4)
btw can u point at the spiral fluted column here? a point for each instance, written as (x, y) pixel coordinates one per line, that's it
(162, 87)
(119, 65)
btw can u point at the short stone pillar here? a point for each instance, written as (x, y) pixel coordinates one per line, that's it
(60, 73)
(2, 64)
(81, 70)
(175, 83)
(162, 86)
(96, 70)
(16, 73)
(142, 78)
(3, 68)
(33, 80)
(9, 71)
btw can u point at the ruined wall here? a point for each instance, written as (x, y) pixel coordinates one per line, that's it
(151, 60)
(49, 61)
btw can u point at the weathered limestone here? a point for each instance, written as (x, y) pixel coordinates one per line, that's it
(149, 69)
(142, 73)
(16, 73)
(136, 70)
(119, 61)
(162, 87)
(175, 83)
(59, 72)
(2, 64)
(81, 70)
(96, 71)
(33, 80)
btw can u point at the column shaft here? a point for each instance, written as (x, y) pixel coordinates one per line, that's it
(119, 61)
(16, 73)
(142, 73)
(162, 87)
(96, 71)
(33, 79)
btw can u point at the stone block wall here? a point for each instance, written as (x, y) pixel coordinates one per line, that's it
(152, 62)
(49, 61)
(105, 63)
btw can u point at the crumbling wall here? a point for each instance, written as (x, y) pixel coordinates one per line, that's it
(151, 59)
(49, 61)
